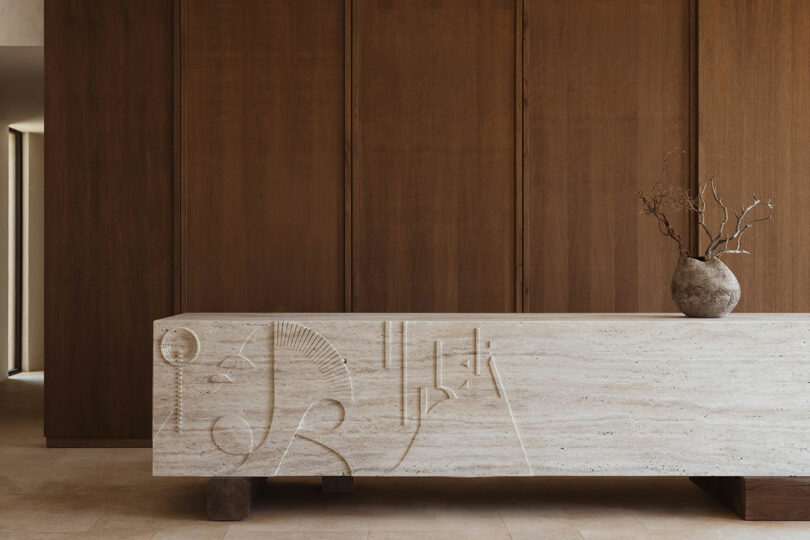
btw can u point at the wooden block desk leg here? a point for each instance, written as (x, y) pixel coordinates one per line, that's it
(337, 484)
(230, 499)
(761, 498)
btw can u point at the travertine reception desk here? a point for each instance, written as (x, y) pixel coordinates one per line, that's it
(255, 395)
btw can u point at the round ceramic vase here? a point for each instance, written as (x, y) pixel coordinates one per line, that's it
(704, 288)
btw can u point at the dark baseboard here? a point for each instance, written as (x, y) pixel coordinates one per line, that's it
(52, 442)
(761, 498)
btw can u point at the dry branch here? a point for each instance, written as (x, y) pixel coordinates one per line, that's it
(660, 201)
(657, 203)
(718, 244)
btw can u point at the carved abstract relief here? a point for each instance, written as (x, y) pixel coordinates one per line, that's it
(308, 387)
(443, 407)
(179, 347)
(256, 396)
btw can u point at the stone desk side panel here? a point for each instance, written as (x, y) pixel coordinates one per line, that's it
(402, 395)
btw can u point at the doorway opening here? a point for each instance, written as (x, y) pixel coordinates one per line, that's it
(15, 182)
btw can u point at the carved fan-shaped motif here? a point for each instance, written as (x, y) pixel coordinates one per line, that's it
(292, 336)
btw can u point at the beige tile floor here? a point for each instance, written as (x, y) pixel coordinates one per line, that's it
(110, 493)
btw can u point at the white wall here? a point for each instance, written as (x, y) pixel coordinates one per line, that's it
(21, 22)
(4, 252)
(33, 329)
(22, 106)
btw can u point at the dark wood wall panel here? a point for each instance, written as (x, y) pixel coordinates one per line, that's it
(108, 202)
(606, 95)
(434, 155)
(754, 135)
(263, 155)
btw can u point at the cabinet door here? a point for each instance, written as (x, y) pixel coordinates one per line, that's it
(263, 155)
(434, 155)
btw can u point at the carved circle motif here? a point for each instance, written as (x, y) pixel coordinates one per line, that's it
(233, 435)
(180, 346)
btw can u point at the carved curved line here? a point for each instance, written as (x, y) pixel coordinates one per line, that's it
(295, 433)
(236, 467)
(343, 459)
(244, 343)
(451, 394)
(245, 422)
(438, 358)
(237, 361)
(415, 433)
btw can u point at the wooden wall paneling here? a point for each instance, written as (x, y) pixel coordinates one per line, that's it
(348, 156)
(178, 220)
(434, 155)
(108, 202)
(519, 202)
(263, 155)
(754, 135)
(606, 95)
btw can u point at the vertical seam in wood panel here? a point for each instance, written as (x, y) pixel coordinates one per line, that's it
(519, 225)
(348, 153)
(694, 84)
(182, 173)
(177, 192)
(353, 46)
(525, 180)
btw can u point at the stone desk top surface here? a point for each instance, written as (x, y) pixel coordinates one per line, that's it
(202, 317)
(401, 394)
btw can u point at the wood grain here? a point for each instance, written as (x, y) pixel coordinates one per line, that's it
(761, 498)
(108, 202)
(754, 136)
(230, 499)
(434, 155)
(263, 155)
(606, 97)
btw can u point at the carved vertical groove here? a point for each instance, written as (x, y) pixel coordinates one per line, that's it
(387, 345)
(477, 354)
(404, 373)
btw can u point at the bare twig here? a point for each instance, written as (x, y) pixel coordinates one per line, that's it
(697, 204)
(660, 201)
(740, 228)
(655, 204)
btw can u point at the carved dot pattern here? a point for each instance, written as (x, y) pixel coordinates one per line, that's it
(297, 337)
(179, 392)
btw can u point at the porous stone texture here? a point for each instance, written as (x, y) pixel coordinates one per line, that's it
(360, 394)
(704, 288)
